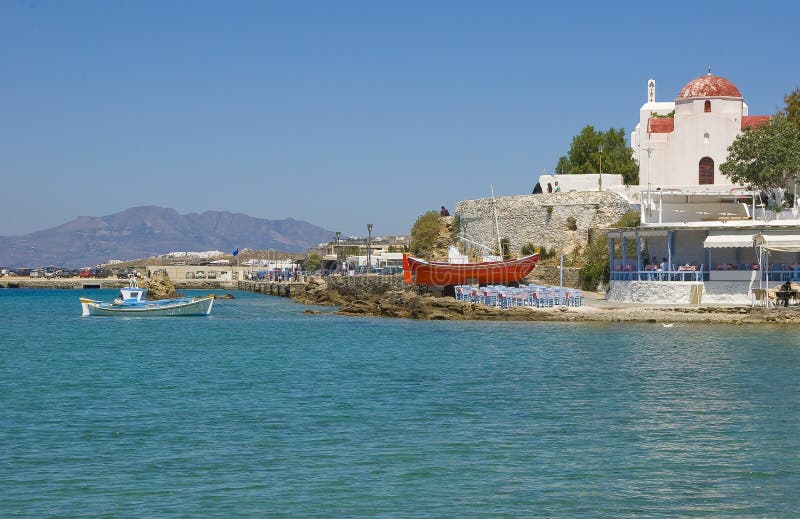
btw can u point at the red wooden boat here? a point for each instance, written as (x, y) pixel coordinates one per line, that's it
(421, 272)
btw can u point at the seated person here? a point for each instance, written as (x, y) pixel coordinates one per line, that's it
(785, 292)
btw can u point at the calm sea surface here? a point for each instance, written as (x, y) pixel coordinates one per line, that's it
(263, 411)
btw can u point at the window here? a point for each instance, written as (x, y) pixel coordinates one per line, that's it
(706, 138)
(707, 107)
(706, 175)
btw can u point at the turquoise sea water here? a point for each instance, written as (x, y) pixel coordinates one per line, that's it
(263, 411)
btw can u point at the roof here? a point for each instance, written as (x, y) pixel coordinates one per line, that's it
(754, 120)
(728, 240)
(709, 86)
(660, 125)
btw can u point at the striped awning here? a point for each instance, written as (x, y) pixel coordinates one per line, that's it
(718, 241)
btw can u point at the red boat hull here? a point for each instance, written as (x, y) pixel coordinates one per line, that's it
(421, 272)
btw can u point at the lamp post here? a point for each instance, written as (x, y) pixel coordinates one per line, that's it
(649, 195)
(601, 167)
(369, 253)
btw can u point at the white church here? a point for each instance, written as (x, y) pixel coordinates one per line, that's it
(714, 241)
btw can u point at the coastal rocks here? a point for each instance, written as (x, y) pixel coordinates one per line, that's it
(375, 296)
(159, 286)
(317, 292)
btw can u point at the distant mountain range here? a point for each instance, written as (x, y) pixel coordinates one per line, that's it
(146, 231)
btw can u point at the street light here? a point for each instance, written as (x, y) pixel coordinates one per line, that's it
(369, 239)
(601, 167)
(649, 194)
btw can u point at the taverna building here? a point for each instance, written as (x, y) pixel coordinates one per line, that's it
(712, 240)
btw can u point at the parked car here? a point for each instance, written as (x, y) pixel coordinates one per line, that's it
(200, 274)
(190, 275)
(212, 274)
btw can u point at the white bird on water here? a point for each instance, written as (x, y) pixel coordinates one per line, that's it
(667, 325)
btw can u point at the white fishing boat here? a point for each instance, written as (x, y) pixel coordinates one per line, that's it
(132, 301)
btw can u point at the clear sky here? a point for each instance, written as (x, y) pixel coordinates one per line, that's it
(341, 113)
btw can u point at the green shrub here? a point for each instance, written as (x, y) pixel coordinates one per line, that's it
(596, 269)
(572, 223)
(425, 233)
(629, 219)
(530, 248)
(313, 261)
(505, 243)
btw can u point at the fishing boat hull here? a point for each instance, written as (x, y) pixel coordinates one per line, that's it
(423, 272)
(165, 308)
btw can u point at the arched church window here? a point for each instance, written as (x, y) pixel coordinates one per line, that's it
(707, 107)
(706, 138)
(706, 174)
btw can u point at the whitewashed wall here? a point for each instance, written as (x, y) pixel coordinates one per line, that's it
(652, 292)
(587, 182)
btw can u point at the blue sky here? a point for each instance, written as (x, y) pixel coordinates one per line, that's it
(341, 113)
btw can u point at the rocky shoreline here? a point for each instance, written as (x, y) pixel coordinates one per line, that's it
(412, 303)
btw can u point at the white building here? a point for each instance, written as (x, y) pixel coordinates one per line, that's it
(682, 142)
(716, 237)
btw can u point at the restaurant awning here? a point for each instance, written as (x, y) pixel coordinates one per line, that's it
(779, 242)
(718, 241)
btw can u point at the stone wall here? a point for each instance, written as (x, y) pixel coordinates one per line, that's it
(540, 219)
(375, 285)
(673, 292)
(655, 292)
(728, 292)
(550, 275)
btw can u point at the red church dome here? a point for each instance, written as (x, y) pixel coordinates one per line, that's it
(709, 86)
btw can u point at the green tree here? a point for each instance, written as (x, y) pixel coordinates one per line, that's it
(425, 233)
(596, 269)
(585, 155)
(765, 157)
(562, 168)
(313, 261)
(792, 109)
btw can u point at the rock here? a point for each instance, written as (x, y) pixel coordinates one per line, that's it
(360, 307)
(159, 286)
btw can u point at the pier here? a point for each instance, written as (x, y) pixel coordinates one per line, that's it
(272, 288)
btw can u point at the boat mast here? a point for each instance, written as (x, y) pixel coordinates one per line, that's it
(496, 225)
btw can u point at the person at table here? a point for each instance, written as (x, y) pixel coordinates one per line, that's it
(786, 288)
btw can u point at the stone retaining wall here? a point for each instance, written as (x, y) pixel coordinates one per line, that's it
(655, 292)
(540, 219)
(549, 275)
(374, 285)
(675, 292)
